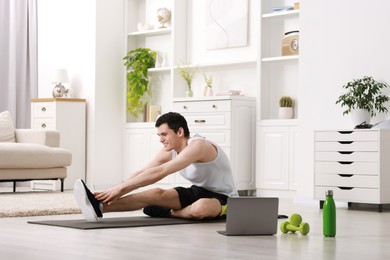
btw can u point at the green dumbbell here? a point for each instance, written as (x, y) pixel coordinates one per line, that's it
(294, 225)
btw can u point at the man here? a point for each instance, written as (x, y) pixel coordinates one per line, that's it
(198, 160)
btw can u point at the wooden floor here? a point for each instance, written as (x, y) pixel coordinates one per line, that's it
(362, 233)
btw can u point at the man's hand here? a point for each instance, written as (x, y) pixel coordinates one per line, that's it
(109, 196)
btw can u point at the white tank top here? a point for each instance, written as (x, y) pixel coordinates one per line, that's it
(214, 176)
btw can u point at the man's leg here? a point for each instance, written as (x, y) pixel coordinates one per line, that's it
(156, 197)
(200, 209)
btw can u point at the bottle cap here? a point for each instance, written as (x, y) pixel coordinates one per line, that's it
(329, 192)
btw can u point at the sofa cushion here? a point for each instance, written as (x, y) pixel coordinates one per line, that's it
(7, 132)
(27, 155)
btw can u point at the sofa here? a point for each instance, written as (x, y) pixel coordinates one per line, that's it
(31, 154)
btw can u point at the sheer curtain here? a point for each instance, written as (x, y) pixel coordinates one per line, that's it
(18, 58)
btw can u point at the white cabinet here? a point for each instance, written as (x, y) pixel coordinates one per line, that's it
(354, 164)
(68, 116)
(276, 169)
(230, 123)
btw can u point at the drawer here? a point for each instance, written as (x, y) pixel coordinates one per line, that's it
(353, 135)
(366, 168)
(363, 195)
(222, 138)
(347, 146)
(44, 123)
(357, 181)
(208, 120)
(202, 106)
(43, 109)
(347, 156)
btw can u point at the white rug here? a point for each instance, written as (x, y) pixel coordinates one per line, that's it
(37, 203)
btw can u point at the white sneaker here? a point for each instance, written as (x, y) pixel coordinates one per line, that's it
(90, 206)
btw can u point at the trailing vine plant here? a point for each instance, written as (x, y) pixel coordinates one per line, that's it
(137, 62)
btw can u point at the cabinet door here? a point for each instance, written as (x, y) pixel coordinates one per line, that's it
(293, 152)
(272, 166)
(141, 145)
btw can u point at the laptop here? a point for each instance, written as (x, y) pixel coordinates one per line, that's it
(251, 216)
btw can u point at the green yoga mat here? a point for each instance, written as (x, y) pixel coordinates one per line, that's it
(120, 222)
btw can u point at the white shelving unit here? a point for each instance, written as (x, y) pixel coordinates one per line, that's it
(276, 138)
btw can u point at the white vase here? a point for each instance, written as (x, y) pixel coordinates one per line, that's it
(360, 116)
(207, 91)
(285, 113)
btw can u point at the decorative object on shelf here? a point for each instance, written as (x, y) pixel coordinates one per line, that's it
(59, 76)
(158, 60)
(163, 16)
(188, 75)
(297, 5)
(290, 43)
(208, 89)
(366, 94)
(69, 92)
(285, 107)
(144, 27)
(227, 24)
(231, 92)
(137, 62)
(152, 113)
(282, 8)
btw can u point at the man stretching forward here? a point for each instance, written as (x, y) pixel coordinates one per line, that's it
(200, 161)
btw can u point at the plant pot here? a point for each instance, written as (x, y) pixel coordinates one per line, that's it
(285, 112)
(360, 116)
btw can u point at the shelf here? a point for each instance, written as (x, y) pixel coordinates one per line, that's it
(153, 32)
(279, 122)
(219, 64)
(280, 58)
(162, 69)
(281, 14)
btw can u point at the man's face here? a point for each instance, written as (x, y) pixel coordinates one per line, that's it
(168, 137)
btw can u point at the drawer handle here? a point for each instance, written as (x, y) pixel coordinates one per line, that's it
(345, 132)
(345, 175)
(345, 188)
(214, 106)
(344, 162)
(345, 152)
(43, 109)
(43, 125)
(345, 142)
(184, 107)
(200, 121)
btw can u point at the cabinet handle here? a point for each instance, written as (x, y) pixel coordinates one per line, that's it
(43, 109)
(214, 106)
(345, 188)
(345, 132)
(345, 152)
(345, 162)
(184, 107)
(43, 125)
(200, 121)
(345, 175)
(345, 142)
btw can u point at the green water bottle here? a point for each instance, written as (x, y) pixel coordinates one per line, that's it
(329, 215)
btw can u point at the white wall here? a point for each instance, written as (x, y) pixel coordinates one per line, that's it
(87, 38)
(339, 41)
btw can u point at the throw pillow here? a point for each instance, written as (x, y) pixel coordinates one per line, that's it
(7, 131)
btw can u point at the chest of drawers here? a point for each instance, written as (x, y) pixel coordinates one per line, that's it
(230, 122)
(355, 164)
(68, 116)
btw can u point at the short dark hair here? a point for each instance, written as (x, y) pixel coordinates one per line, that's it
(174, 121)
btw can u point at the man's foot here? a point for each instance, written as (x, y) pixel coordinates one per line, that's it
(157, 212)
(90, 206)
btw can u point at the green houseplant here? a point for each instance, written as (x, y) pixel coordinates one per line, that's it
(285, 107)
(188, 75)
(364, 93)
(208, 89)
(137, 62)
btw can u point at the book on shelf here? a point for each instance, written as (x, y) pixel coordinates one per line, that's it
(152, 113)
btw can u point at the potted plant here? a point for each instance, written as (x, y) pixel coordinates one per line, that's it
(137, 62)
(208, 89)
(285, 107)
(188, 75)
(363, 95)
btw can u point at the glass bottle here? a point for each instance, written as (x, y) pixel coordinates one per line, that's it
(329, 215)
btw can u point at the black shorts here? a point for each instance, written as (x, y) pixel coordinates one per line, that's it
(187, 196)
